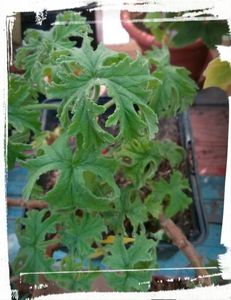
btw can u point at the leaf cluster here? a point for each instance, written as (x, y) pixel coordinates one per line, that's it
(182, 33)
(88, 202)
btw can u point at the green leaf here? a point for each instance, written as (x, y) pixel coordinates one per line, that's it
(16, 151)
(130, 206)
(32, 239)
(142, 158)
(79, 233)
(142, 250)
(69, 24)
(174, 91)
(173, 192)
(20, 94)
(71, 281)
(126, 82)
(171, 152)
(41, 48)
(154, 206)
(180, 34)
(218, 73)
(210, 32)
(71, 190)
(159, 56)
(85, 122)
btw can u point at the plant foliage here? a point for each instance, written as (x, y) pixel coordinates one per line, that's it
(97, 203)
(176, 34)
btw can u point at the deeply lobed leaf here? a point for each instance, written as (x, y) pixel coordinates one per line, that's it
(174, 192)
(127, 85)
(128, 206)
(142, 250)
(173, 89)
(41, 48)
(21, 94)
(71, 190)
(79, 233)
(141, 158)
(31, 257)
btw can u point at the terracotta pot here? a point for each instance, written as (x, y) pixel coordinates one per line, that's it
(193, 57)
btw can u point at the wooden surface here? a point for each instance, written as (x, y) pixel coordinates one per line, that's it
(210, 133)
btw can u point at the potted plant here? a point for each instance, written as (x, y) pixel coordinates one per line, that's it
(189, 41)
(105, 183)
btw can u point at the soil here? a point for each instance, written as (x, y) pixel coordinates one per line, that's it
(169, 130)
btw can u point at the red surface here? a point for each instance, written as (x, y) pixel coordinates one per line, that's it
(210, 134)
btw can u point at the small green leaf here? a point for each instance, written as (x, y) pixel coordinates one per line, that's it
(159, 56)
(142, 158)
(174, 91)
(173, 192)
(71, 281)
(210, 32)
(32, 239)
(142, 250)
(79, 233)
(21, 94)
(16, 151)
(130, 206)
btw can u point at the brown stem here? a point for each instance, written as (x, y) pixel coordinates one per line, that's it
(51, 248)
(179, 239)
(29, 205)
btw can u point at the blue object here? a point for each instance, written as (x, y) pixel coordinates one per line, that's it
(16, 181)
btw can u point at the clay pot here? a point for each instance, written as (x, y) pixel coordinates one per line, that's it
(194, 57)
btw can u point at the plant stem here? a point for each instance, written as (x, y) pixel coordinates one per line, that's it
(108, 104)
(42, 106)
(95, 93)
(180, 240)
(27, 204)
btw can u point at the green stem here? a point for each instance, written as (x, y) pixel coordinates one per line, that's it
(42, 106)
(94, 93)
(109, 104)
